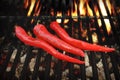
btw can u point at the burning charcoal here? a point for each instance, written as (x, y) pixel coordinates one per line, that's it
(9, 67)
(31, 64)
(22, 59)
(51, 72)
(65, 74)
(99, 64)
(110, 65)
(89, 71)
(41, 68)
(87, 60)
(100, 70)
(76, 66)
(101, 74)
(112, 76)
(13, 55)
(18, 70)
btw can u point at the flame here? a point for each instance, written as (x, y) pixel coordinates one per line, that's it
(31, 7)
(66, 21)
(94, 38)
(26, 3)
(81, 7)
(30, 4)
(89, 10)
(74, 11)
(104, 13)
(59, 14)
(109, 6)
(37, 9)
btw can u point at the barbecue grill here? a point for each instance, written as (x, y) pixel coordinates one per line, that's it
(23, 62)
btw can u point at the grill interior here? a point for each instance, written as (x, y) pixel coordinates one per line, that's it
(20, 61)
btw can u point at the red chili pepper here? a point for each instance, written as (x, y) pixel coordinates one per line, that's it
(24, 37)
(77, 43)
(41, 32)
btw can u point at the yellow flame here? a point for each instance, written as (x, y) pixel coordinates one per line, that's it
(109, 5)
(81, 7)
(108, 26)
(102, 8)
(74, 12)
(94, 38)
(89, 10)
(66, 21)
(31, 7)
(59, 14)
(104, 13)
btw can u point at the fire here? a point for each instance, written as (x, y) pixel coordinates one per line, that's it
(94, 38)
(59, 14)
(74, 11)
(104, 13)
(89, 10)
(26, 3)
(31, 7)
(82, 7)
(109, 6)
(37, 9)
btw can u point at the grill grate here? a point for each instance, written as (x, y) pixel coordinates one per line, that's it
(30, 63)
(58, 68)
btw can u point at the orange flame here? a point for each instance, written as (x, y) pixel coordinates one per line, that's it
(37, 9)
(26, 3)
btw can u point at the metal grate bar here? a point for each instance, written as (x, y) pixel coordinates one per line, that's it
(4, 65)
(92, 54)
(16, 60)
(70, 65)
(47, 66)
(37, 64)
(115, 66)
(106, 70)
(102, 20)
(112, 25)
(58, 70)
(24, 72)
(82, 67)
(114, 62)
